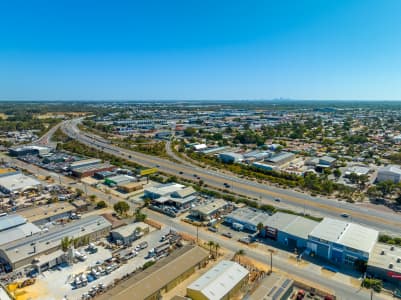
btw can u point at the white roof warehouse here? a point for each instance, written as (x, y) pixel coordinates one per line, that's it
(220, 282)
(19, 182)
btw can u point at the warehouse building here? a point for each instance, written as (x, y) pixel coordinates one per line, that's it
(84, 163)
(385, 263)
(163, 190)
(129, 233)
(162, 277)
(130, 187)
(281, 158)
(18, 183)
(171, 194)
(231, 157)
(221, 282)
(104, 175)
(91, 169)
(288, 229)
(21, 253)
(248, 217)
(342, 242)
(119, 179)
(40, 215)
(14, 227)
(29, 150)
(209, 211)
(264, 166)
(389, 173)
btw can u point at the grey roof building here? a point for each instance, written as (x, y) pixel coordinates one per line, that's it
(248, 217)
(389, 173)
(20, 253)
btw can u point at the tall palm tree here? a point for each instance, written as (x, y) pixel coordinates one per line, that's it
(66, 243)
(260, 228)
(238, 255)
(210, 244)
(217, 247)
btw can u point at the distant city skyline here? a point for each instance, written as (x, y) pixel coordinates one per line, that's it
(193, 50)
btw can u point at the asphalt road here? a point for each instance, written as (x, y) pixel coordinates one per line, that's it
(342, 290)
(383, 221)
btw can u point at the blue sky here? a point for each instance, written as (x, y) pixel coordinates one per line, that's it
(204, 49)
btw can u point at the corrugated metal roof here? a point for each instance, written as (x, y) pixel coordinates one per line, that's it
(10, 221)
(220, 280)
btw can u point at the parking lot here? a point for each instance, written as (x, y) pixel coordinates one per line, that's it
(57, 283)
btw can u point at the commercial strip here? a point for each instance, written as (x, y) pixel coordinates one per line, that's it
(335, 240)
(161, 277)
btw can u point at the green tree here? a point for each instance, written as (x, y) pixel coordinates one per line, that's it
(216, 248)
(66, 243)
(101, 204)
(337, 173)
(210, 244)
(260, 227)
(139, 216)
(121, 207)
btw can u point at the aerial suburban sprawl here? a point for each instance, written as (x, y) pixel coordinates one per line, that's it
(202, 200)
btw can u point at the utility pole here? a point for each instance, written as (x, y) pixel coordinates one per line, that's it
(197, 234)
(271, 260)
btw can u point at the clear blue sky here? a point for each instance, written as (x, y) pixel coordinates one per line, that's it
(203, 49)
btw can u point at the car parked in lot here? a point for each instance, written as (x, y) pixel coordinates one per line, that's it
(213, 229)
(228, 234)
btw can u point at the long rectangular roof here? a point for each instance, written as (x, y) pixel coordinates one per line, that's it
(18, 232)
(37, 213)
(43, 241)
(149, 281)
(220, 280)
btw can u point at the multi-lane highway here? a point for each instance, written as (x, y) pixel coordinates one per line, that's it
(384, 221)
